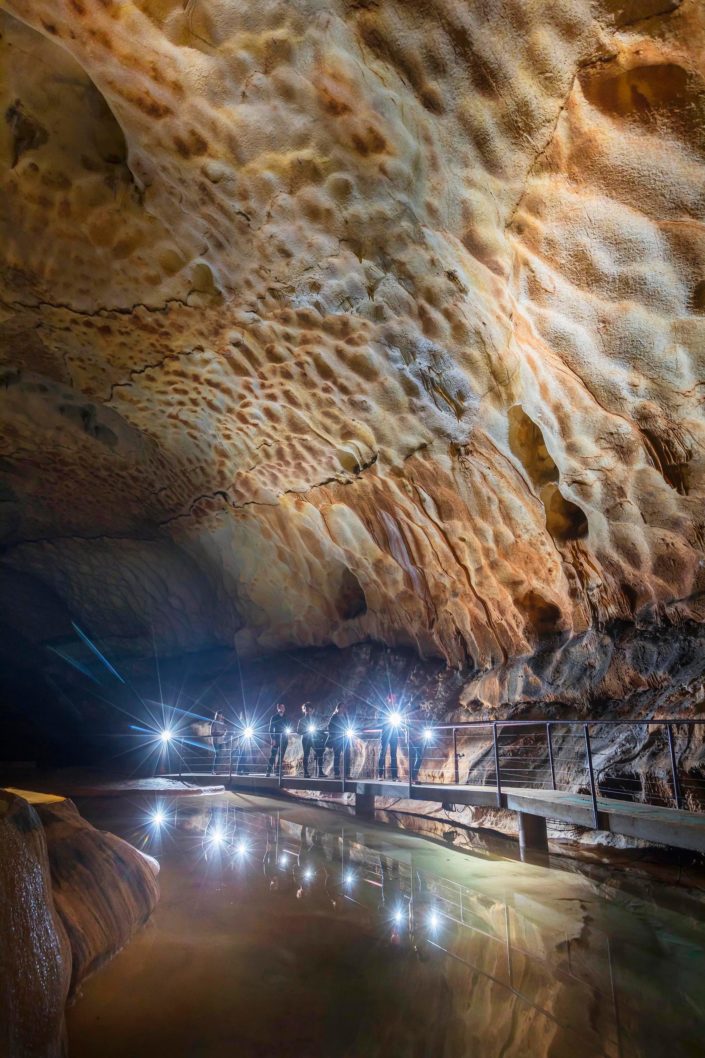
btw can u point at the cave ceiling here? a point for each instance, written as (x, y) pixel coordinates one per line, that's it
(323, 322)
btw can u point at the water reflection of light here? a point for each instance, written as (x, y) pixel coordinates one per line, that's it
(308, 874)
(348, 877)
(241, 848)
(434, 921)
(283, 859)
(217, 835)
(398, 916)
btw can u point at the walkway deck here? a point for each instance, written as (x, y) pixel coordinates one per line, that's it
(667, 826)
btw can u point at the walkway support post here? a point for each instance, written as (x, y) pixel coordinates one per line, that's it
(674, 768)
(364, 803)
(591, 772)
(281, 759)
(496, 765)
(532, 833)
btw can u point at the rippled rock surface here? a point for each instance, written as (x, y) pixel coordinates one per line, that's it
(324, 322)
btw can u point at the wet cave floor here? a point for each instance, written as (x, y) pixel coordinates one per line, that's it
(285, 930)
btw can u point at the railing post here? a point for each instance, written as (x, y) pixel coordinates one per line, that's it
(230, 762)
(455, 756)
(593, 794)
(674, 768)
(281, 758)
(549, 742)
(408, 757)
(496, 765)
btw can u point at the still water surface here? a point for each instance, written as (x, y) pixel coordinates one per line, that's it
(289, 931)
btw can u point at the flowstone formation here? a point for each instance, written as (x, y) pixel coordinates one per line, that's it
(333, 321)
(71, 897)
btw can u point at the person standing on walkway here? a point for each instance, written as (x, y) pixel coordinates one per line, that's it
(338, 738)
(219, 734)
(278, 733)
(313, 737)
(392, 722)
(418, 724)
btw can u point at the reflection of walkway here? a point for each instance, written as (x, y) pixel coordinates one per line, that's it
(484, 934)
(521, 929)
(667, 826)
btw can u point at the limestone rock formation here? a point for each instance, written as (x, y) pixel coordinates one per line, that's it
(332, 321)
(103, 888)
(35, 956)
(70, 897)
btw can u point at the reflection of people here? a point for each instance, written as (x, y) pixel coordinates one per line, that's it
(277, 734)
(313, 737)
(218, 738)
(314, 873)
(338, 740)
(390, 737)
(394, 904)
(216, 830)
(281, 874)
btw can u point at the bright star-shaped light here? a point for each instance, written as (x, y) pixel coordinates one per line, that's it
(428, 734)
(158, 817)
(311, 729)
(217, 835)
(166, 735)
(249, 731)
(434, 920)
(350, 732)
(395, 719)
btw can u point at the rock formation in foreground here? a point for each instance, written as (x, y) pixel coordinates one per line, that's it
(326, 322)
(70, 897)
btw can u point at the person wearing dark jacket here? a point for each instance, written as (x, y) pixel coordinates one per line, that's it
(392, 721)
(278, 733)
(338, 738)
(313, 737)
(419, 738)
(219, 734)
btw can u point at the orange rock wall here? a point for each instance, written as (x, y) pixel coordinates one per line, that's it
(323, 322)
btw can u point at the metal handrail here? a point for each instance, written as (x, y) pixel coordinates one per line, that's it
(514, 765)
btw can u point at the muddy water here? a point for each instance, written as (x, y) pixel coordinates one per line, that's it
(292, 931)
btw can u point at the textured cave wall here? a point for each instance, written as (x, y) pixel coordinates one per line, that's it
(331, 322)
